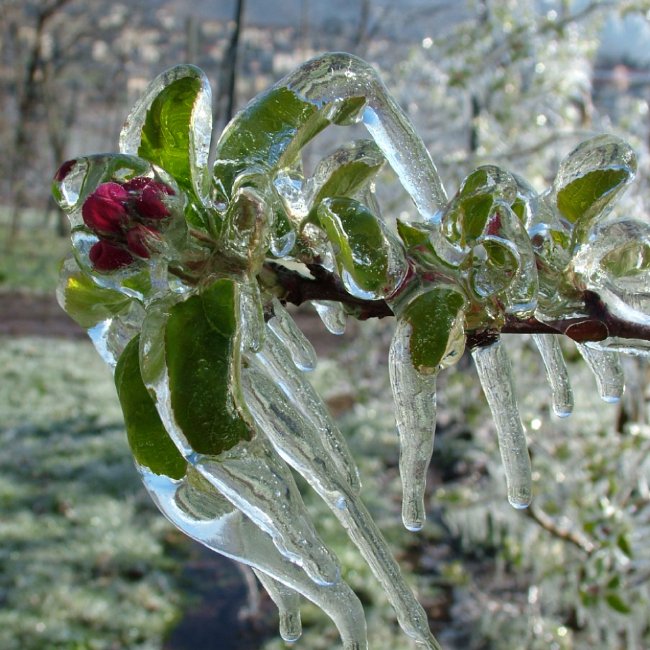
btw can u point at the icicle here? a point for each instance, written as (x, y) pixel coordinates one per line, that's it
(495, 375)
(254, 479)
(207, 517)
(608, 371)
(299, 444)
(287, 601)
(301, 394)
(332, 314)
(556, 373)
(415, 411)
(284, 327)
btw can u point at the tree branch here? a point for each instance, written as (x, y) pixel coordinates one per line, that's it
(595, 324)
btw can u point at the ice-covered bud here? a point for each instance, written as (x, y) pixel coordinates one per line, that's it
(138, 238)
(107, 256)
(149, 201)
(104, 210)
(64, 170)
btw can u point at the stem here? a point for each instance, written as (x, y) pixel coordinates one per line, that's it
(549, 525)
(596, 324)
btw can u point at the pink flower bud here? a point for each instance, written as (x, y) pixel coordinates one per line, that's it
(137, 240)
(149, 203)
(104, 211)
(106, 256)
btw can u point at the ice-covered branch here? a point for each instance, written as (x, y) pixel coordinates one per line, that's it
(595, 324)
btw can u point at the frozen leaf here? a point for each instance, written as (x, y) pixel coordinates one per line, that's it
(171, 125)
(84, 301)
(149, 441)
(592, 176)
(345, 172)
(202, 354)
(370, 259)
(414, 395)
(437, 336)
(616, 265)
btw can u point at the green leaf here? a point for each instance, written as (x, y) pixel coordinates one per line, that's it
(271, 131)
(362, 245)
(591, 177)
(166, 131)
(202, 350)
(437, 327)
(348, 170)
(149, 441)
(623, 543)
(85, 302)
(617, 603)
(589, 193)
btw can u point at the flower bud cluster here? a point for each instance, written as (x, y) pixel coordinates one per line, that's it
(126, 217)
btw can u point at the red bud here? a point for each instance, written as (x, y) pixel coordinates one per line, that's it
(106, 256)
(104, 211)
(64, 170)
(137, 237)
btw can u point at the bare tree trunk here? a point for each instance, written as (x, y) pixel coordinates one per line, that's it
(27, 108)
(230, 68)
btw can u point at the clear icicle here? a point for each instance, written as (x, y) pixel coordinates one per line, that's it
(287, 600)
(305, 399)
(299, 444)
(556, 373)
(415, 411)
(256, 481)
(332, 314)
(495, 375)
(284, 327)
(211, 520)
(606, 367)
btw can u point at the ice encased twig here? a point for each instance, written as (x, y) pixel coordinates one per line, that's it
(298, 443)
(211, 520)
(495, 375)
(414, 395)
(608, 371)
(556, 373)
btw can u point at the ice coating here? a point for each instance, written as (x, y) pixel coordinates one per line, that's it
(204, 515)
(298, 442)
(255, 479)
(200, 127)
(495, 375)
(284, 327)
(287, 600)
(277, 362)
(336, 77)
(608, 371)
(332, 314)
(414, 395)
(556, 373)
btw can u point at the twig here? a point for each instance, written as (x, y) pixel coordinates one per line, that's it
(571, 536)
(596, 324)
